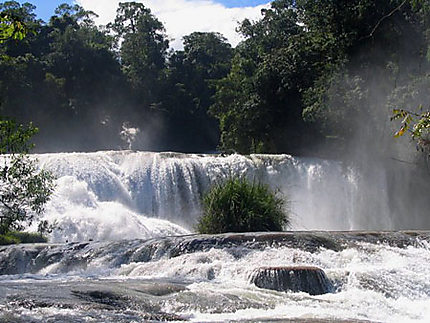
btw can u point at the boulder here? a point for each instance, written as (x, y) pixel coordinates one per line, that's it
(312, 280)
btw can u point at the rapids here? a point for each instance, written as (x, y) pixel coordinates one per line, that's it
(378, 277)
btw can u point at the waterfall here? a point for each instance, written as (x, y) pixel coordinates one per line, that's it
(139, 208)
(126, 194)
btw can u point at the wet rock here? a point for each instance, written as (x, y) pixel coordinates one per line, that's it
(307, 279)
(103, 297)
(18, 259)
(158, 289)
(21, 259)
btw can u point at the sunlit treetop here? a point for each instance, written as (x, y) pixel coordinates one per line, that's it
(11, 27)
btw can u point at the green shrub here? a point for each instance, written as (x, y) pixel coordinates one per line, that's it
(6, 239)
(238, 205)
(15, 237)
(29, 237)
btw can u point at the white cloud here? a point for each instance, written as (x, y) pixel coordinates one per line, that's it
(182, 17)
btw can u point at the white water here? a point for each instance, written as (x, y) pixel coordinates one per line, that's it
(125, 194)
(375, 282)
(381, 284)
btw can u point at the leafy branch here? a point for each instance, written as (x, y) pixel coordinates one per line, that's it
(12, 27)
(416, 123)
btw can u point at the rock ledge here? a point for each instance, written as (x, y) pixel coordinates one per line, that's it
(309, 279)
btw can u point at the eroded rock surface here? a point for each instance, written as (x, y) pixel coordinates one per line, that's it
(307, 279)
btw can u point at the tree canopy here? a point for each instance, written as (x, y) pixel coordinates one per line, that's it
(306, 74)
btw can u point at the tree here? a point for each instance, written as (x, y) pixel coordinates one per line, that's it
(259, 103)
(417, 123)
(310, 70)
(66, 72)
(383, 46)
(11, 27)
(24, 188)
(83, 72)
(143, 48)
(13, 22)
(189, 90)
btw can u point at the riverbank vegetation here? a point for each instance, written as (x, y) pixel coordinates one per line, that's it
(24, 187)
(15, 237)
(239, 205)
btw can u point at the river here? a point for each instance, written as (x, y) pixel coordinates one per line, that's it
(124, 248)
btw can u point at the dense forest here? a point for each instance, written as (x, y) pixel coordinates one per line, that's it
(308, 74)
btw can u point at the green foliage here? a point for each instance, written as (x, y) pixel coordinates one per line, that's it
(406, 105)
(189, 90)
(144, 46)
(418, 123)
(66, 71)
(24, 188)
(337, 102)
(11, 28)
(14, 137)
(331, 64)
(260, 103)
(12, 24)
(7, 239)
(15, 237)
(24, 191)
(307, 70)
(238, 205)
(243, 116)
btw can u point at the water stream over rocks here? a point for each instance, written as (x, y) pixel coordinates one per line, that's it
(376, 277)
(124, 250)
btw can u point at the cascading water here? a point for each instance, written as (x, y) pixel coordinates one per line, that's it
(137, 206)
(125, 194)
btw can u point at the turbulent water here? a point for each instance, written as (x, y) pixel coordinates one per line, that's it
(123, 250)
(113, 195)
(378, 277)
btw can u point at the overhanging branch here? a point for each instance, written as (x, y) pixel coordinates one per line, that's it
(383, 18)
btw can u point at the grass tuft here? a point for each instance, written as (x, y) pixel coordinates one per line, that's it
(238, 205)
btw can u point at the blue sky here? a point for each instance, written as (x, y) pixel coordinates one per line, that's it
(179, 17)
(45, 8)
(241, 3)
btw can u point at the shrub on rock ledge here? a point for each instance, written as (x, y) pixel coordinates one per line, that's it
(238, 205)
